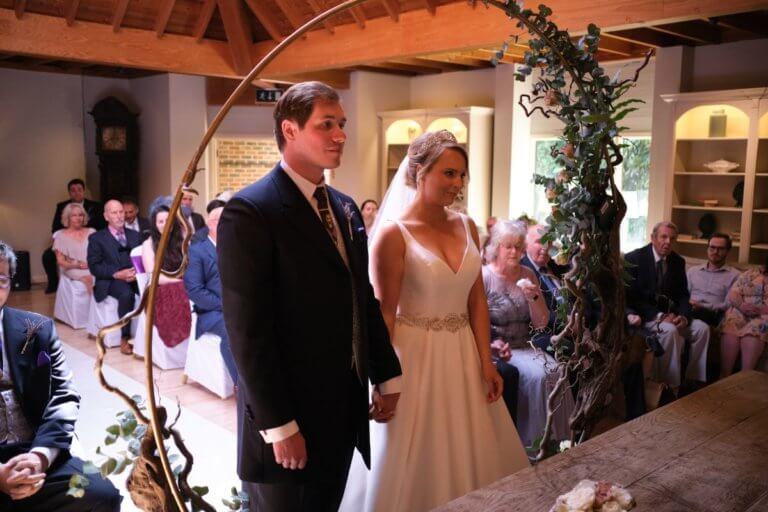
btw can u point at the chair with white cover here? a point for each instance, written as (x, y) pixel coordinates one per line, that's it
(164, 357)
(101, 314)
(72, 302)
(205, 365)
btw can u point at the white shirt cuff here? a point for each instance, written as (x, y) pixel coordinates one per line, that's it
(277, 434)
(48, 453)
(391, 386)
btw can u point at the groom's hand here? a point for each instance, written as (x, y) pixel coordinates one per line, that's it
(383, 407)
(291, 452)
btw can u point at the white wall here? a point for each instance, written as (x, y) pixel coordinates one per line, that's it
(457, 89)
(728, 66)
(152, 96)
(41, 148)
(187, 118)
(369, 93)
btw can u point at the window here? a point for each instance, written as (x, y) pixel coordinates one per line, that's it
(632, 178)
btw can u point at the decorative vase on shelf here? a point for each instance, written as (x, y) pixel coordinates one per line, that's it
(707, 225)
(738, 194)
(717, 123)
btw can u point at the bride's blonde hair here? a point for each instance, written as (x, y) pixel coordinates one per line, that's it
(424, 152)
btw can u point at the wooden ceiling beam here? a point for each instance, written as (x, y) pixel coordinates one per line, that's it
(431, 6)
(239, 35)
(412, 68)
(745, 22)
(70, 11)
(291, 12)
(317, 9)
(121, 6)
(163, 15)
(459, 26)
(442, 66)
(47, 37)
(19, 6)
(699, 32)
(393, 8)
(375, 68)
(359, 15)
(643, 36)
(266, 18)
(204, 19)
(336, 78)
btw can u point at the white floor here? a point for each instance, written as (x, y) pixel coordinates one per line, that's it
(214, 447)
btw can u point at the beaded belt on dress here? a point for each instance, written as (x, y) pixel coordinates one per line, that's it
(451, 322)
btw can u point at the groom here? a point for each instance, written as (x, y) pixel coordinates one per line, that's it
(304, 326)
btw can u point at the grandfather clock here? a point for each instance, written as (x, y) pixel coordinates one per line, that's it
(117, 145)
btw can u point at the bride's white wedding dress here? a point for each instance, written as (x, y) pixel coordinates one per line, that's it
(445, 439)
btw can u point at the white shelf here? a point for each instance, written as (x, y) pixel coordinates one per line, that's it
(709, 173)
(700, 241)
(709, 208)
(760, 246)
(761, 174)
(760, 210)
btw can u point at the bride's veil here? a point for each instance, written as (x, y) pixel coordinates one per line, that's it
(398, 197)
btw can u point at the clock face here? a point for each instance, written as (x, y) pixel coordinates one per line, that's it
(113, 138)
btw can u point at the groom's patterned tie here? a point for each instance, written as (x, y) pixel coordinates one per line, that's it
(321, 194)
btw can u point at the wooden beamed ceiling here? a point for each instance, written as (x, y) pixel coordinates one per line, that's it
(225, 38)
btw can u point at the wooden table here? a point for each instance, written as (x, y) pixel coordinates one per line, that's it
(707, 452)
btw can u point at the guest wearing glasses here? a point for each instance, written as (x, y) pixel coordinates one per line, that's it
(709, 282)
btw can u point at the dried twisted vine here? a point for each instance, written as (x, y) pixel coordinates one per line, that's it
(587, 207)
(162, 478)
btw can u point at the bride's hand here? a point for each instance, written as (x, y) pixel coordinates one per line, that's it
(494, 382)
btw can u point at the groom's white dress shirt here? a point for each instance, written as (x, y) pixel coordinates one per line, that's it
(307, 189)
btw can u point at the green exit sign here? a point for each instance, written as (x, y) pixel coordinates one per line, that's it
(268, 95)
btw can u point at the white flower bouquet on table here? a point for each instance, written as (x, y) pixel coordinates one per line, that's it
(592, 496)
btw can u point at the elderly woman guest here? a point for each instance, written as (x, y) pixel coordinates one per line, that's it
(71, 244)
(369, 209)
(515, 305)
(745, 329)
(173, 317)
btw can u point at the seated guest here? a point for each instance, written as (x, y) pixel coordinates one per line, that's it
(203, 285)
(133, 220)
(369, 209)
(173, 318)
(38, 410)
(485, 238)
(94, 212)
(109, 261)
(658, 299)
(709, 282)
(745, 329)
(549, 275)
(515, 303)
(188, 208)
(71, 245)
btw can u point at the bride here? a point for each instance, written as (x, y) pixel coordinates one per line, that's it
(449, 433)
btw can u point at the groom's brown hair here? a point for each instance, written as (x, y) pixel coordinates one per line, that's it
(296, 104)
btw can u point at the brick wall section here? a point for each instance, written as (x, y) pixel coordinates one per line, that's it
(243, 161)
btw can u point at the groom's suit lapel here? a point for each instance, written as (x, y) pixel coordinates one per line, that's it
(346, 229)
(299, 212)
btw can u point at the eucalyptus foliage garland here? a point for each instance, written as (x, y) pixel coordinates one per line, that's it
(587, 207)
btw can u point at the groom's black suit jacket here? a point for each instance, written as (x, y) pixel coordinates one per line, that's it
(41, 378)
(287, 297)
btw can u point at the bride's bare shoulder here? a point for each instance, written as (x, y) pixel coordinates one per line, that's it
(389, 238)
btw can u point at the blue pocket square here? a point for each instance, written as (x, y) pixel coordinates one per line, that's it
(43, 359)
